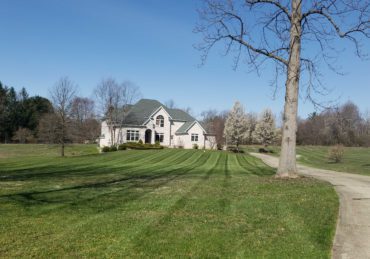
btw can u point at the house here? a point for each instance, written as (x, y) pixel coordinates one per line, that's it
(151, 121)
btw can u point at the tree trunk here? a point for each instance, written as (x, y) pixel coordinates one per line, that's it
(62, 137)
(287, 162)
(62, 149)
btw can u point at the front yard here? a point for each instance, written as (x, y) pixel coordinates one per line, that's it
(168, 203)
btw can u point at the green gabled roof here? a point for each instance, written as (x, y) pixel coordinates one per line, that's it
(179, 115)
(184, 128)
(141, 111)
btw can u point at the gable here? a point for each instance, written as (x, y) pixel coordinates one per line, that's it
(188, 126)
(140, 113)
(161, 110)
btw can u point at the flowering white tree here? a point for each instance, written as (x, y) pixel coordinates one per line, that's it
(265, 131)
(236, 127)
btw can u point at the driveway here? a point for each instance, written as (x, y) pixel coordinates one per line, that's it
(352, 238)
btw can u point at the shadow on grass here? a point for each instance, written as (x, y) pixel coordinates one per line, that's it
(129, 186)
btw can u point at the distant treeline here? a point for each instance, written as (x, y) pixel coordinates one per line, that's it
(343, 125)
(25, 119)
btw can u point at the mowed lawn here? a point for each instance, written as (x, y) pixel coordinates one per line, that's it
(355, 159)
(167, 203)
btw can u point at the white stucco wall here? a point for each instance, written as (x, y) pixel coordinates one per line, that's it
(104, 139)
(203, 141)
(120, 135)
(166, 129)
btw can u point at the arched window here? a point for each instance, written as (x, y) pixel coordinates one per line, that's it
(160, 121)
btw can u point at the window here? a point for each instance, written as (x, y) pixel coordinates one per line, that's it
(160, 121)
(159, 137)
(132, 135)
(194, 137)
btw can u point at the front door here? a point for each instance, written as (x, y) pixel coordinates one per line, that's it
(148, 136)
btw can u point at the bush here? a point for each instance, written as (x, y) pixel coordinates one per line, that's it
(234, 149)
(140, 142)
(122, 147)
(157, 143)
(195, 146)
(265, 150)
(105, 149)
(219, 147)
(112, 149)
(137, 145)
(336, 154)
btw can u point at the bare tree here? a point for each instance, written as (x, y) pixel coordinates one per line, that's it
(82, 109)
(47, 129)
(214, 122)
(170, 104)
(62, 95)
(23, 135)
(86, 127)
(276, 30)
(114, 101)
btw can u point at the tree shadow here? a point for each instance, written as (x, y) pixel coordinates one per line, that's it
(126, 185)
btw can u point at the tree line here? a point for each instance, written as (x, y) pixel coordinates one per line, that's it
(344, 125)
(340, 125)
(66, 117)
(20, 115)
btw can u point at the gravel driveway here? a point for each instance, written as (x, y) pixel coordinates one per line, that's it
(352, 238)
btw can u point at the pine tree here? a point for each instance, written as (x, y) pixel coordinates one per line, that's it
(236, 127)
(265, 131)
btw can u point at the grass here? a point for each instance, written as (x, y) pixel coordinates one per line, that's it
(355, 159)
(167, 203)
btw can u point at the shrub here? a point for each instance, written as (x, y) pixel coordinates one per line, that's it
(336, 153)
(157, 143)
(234, 149)
(113, 148)
(195, 146)
(219, 147)
(137, 145)
(122, 147)
(263, 150)
(140, 142)
(105, 149)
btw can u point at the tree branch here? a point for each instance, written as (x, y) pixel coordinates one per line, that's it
(272, 2)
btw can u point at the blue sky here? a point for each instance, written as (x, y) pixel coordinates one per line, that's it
(149, 42)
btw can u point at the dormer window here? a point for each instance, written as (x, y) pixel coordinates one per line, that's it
(159, 121)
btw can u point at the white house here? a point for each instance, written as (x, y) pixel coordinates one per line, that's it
(151, 121)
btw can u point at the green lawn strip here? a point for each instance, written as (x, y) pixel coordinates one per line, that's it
(355, 159)
(129, 197)
(179, 203)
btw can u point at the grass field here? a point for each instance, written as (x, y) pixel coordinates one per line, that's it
(355, 159)
(168, 203)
